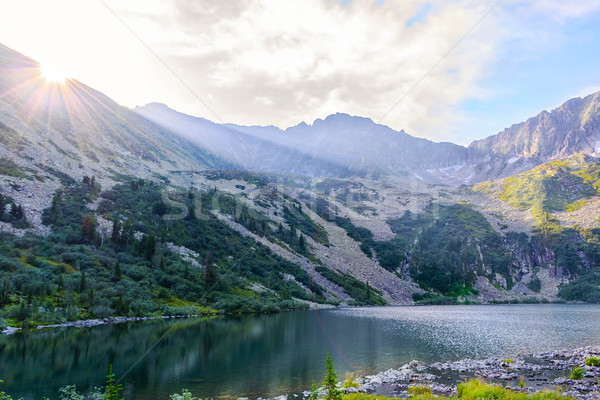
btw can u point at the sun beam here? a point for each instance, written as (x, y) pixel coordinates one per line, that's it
(53, 74)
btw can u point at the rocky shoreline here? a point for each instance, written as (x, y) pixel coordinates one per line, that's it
(526, 373)
(95, 322)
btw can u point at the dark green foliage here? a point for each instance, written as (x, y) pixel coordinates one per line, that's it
(362, 293)
(73, 274)
(301, 221)
(15, 214)
(586, 288)
(449, 251)
(432, 299)
(535, 284)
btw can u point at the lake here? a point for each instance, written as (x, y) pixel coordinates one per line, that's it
(268, 355)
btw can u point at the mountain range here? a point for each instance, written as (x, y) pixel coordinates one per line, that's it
(150, 211)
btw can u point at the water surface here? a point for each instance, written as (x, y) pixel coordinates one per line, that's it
(268, 355)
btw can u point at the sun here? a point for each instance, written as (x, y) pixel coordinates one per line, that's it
(53, 74)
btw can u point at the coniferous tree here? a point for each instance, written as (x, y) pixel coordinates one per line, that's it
(150, 246)
(117, 271)
(116, 232)
(314, 392)
(302, 243)
(4, 292)
(82, 283)
(330, 382)
(112, 389)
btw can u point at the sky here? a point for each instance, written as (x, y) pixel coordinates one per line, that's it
(443, 70)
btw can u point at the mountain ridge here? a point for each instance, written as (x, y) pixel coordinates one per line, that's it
(571, 128)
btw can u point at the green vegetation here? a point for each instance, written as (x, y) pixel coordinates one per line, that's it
(554, 186)
(535, 285)
(112, 389)
(473, 390)
(261, 225)
(432, 299)
(330, 383)
(314, 391)
(592, 362)
(83, 270)
(508, 360)
(455, 246)
(362, 293)
(350, 383)
(296, 218)
(419, 391)
(9, 168)
(577, 373)
(12, 212)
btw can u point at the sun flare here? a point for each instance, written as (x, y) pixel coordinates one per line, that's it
(53, 74)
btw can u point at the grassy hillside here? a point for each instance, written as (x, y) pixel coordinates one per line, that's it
(561, 185)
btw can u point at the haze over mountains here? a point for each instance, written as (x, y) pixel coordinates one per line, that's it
(341, 145)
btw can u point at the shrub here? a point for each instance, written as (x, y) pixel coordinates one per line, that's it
(590, 361)
(350, 383)
(577, 373)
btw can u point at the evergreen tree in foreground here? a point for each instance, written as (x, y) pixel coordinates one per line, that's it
(112, 389)
(330, 382)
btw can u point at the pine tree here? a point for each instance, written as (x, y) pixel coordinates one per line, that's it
(5, 292)
(116, 232)
(82, 283)
(17, 212)
(117, 270)
(150, 247)
(330, 382)
(209, 273)
(314, 392)
(112, 389)
(302, 243)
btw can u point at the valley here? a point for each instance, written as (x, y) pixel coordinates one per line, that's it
(110, 212)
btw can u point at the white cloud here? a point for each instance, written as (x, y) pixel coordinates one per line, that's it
(317, 57)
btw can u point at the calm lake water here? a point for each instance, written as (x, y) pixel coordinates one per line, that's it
(268, 355)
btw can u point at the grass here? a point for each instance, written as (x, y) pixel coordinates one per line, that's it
(9, 168)
(562, 185)
(473, 390)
